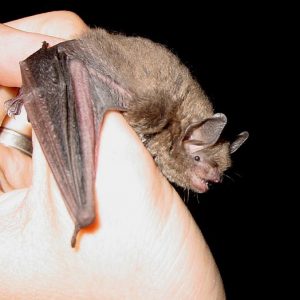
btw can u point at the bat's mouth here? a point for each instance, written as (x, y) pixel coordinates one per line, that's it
(199, 184)
(202, 185)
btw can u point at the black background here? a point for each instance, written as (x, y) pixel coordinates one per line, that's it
(227, 49)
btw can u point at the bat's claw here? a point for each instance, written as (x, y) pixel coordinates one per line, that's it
(45, 45)
(13, 106)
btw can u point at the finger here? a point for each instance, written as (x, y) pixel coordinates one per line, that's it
(15, 46)
(4, 183)
(15, 167)
(18, 123)
(61, 24)
(24, 36)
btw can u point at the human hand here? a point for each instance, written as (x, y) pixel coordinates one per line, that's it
(144, 243)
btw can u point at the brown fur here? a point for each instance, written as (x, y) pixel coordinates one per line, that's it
(165, 100)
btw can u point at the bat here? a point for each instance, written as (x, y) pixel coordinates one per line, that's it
(68, 88)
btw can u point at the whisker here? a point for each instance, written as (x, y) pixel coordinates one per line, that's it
(186, 199)
(229, 177)
(237, 174)
(197, 196)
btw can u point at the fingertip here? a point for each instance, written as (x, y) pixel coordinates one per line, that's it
(121, 137)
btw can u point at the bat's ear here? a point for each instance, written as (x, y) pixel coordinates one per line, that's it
(205, 133)
(239, 141)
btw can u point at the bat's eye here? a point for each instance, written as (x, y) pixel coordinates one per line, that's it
(197, 158)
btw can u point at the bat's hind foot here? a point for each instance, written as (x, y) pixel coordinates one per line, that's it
(13, 106)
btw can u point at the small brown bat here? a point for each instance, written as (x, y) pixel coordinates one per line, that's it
(68, 88)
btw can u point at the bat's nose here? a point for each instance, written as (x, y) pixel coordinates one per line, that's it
(214, 175)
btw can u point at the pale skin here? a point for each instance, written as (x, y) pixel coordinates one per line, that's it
(144, 244)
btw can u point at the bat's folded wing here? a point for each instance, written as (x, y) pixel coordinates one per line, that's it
(65, 102)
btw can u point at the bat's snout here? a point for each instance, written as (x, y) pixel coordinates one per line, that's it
(202, 180)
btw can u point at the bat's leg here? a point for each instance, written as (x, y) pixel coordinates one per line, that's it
(14, 106)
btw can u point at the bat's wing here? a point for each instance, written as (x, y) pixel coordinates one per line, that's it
(65, 102)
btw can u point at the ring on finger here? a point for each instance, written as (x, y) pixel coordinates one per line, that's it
(14, 139)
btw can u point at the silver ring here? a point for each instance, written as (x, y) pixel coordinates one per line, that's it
(11, 138)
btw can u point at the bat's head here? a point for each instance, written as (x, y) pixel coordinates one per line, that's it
(201, 157)
(207, 156)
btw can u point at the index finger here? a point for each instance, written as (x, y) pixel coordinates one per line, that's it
(15, 46)
(20, 38)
